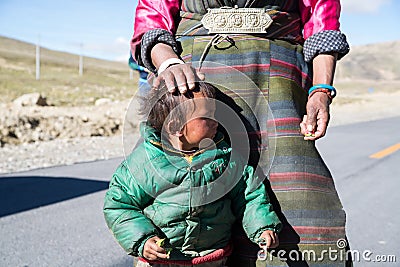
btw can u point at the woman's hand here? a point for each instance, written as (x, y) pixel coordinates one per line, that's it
(181, 76)
(152, 251)
(271, 238)
(316, 121)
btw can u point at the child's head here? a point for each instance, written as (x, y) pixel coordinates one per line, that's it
(188, 117)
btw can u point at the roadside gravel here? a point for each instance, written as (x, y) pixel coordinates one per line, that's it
(15, 158)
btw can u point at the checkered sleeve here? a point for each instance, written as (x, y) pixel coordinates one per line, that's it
(325, 42)
(149, 40)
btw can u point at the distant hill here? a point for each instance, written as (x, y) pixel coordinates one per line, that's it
(60, 81)
(379, 61)
(365, 66)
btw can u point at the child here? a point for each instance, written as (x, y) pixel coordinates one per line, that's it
(174, 199)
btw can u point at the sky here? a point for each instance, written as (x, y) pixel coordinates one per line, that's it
(102, 29)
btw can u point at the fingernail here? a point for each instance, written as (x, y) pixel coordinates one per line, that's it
(309, 128)
(182, 90)
(201, 75)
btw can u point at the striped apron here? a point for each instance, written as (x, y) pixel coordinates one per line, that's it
(268, 80)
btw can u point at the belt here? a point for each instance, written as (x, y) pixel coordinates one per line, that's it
(237, 20)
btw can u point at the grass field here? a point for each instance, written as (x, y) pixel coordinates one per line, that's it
(59, 80)
(366, 69)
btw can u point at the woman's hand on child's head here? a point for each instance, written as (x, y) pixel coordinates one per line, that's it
(152, 251)
(271, 238)
(180, 77)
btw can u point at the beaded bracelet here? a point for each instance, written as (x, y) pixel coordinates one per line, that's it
(331, 89)
(323, 90)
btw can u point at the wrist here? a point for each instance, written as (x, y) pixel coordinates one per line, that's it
(321, 93)
(168, 63)
(324, 88)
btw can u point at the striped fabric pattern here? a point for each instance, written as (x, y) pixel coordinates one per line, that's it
(303, 190)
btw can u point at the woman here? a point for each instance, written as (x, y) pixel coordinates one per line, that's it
(284, 58)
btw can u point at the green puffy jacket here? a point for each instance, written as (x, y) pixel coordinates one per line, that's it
(192, 201)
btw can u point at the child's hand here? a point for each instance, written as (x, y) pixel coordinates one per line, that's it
(271, 238)
(152, 251)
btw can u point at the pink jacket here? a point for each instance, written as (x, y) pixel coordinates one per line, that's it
(316, 15)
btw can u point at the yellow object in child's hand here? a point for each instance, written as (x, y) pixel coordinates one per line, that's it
(168, 250)
(161, 243)
(309, 135)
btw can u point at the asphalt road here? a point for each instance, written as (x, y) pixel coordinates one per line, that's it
(53, 216)
(368, 187)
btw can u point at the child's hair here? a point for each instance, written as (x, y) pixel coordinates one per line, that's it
(158, 104)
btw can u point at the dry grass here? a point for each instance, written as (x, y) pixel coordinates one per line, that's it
(357, 87)
(361, 91)
(60, 81)
(367, 69)
(378, 61)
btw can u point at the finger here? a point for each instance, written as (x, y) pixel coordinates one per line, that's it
(149, 255)
(190, 76)
(304, 119)
(200, 75)
(180, 78)
(156, 82)
(273, 238)
(153, 255)
(162, 255)
(149, 252)
(303, 127)
(311, 120)
(275, 242)
(169, 80)
(268, 240)
(157, 249)
(322, 124)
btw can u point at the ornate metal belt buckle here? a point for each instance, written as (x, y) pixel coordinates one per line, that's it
(236, 20)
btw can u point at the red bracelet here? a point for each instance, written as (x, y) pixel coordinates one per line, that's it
(326, 91)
